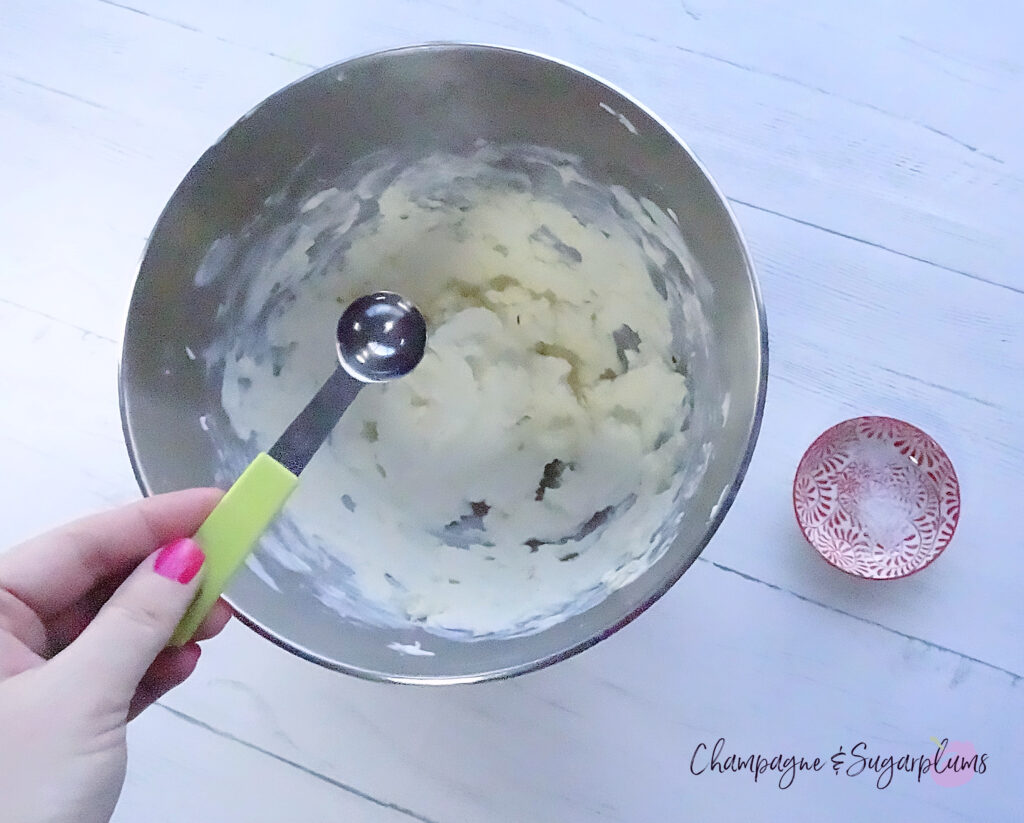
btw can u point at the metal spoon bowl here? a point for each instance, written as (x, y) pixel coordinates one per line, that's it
(381, 337)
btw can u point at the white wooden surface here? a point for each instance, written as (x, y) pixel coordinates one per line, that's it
(873, 153)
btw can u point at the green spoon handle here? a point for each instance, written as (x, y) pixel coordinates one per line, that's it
(231, 530)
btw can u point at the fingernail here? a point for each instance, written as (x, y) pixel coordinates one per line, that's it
(180, 560)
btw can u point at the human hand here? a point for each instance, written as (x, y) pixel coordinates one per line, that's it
(86, 612)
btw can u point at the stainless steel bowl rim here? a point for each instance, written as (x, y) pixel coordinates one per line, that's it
(725, 502)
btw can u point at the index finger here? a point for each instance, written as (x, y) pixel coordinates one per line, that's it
(52, 571)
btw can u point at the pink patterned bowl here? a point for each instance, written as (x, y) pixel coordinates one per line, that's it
(877, 497)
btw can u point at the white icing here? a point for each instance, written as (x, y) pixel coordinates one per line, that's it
(414, 649)
(625, 121)
(427, 491)
(257, 568)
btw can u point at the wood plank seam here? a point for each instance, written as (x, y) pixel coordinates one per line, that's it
(874, 245)
(304, 769)
(193, 29)
(785, 78)
(1015, 678)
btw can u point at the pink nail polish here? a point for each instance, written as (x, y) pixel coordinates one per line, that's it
(180, 560)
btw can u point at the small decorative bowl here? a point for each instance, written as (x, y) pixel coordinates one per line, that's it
(876, 497)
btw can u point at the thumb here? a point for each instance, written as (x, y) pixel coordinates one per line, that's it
(137, 622)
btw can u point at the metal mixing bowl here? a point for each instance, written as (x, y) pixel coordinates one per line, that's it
(433, 97)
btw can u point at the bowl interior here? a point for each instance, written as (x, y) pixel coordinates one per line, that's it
(415, 102)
